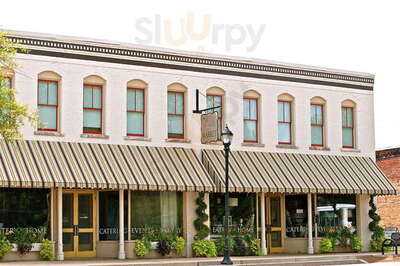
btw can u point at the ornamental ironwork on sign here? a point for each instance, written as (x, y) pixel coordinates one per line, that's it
(209, 127)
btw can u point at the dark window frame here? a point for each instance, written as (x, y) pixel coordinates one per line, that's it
(143, 112)
(89, 131)
(345, 125)
(321, 125)
(256, 120)
(56, 106)
(172, 135)
(285, 122)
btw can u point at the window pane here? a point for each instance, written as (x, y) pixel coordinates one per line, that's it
(296, 215)
(179, 103)
(316, 135)
(281, 113)
(344, 116)
(175, 124)
(109, 215)
(52, 93)
(87, 97)
(139, 100)
(284, 133)
(92, 118)
(246, 109)
(96, 97)
(47, 117)
(288, 115)
(135, 123)
(347, 137)
(42, 97)
(253, 109)
(171, 102)
(349, 117)
(250, 130)
(318, 111)
(131, 99)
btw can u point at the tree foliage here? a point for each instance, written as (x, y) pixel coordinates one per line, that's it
(13, 114)
(378, 234)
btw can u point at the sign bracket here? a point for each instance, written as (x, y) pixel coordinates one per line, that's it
(197, 111)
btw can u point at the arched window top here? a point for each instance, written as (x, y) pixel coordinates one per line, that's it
(49, 75)
(137, 84)
(318, 100)
(177, 87)
(251, 94)
(348, 103)
(94, 80)
(285, 97)
(215, 91)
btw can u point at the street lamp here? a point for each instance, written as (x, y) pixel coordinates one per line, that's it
(226, 137)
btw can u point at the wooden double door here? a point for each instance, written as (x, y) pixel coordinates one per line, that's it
(78, 219)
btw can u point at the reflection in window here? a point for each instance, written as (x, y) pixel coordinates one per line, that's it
(296, 215)
(155, 211)
(334, 212)
(242, 212)
(109, 215)
(25, 208)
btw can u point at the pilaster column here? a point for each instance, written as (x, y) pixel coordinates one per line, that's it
(310, 222)
(60, 252)
(121, 246)
(263, 233)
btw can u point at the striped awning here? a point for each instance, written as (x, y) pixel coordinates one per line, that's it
(297, 173)
(26, 163)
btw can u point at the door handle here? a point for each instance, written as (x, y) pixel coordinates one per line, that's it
(76, 230)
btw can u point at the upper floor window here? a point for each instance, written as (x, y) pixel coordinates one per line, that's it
(285, 119)
(215, 99)
(135, 106)
(250, 116)
(348, 136)
(93, 87)
(48, 101)
(317, 121)
(176, 111)
(48, 105)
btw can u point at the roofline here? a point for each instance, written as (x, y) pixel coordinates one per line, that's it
(52, 42)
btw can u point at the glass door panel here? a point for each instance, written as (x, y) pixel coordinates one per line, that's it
(85, 212)
(275, 218)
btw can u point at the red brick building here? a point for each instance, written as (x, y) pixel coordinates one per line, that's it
(388, 161)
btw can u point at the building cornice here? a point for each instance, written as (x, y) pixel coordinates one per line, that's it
(113, 53)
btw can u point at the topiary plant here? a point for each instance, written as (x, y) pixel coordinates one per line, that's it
(325, 245)
(46, 251)
(179, 245)
(378, 234)
(5, 246)
(202, 230)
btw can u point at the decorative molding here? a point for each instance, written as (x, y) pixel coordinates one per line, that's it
(48, 133)
(104, 53)
(250, 144)
(286, 146)
(94, 136)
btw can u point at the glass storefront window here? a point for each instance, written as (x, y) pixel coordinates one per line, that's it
(242, 212)
(334, 212)
(24, 208)
(109, 215)
(155, 211)
(296, 215)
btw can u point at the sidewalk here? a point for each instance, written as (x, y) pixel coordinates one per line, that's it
(331, 259)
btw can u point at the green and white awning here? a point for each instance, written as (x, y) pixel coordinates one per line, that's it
(297, 173)
(88, 165)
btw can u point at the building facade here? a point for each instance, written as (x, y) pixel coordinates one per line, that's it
(118, 141)
(389, 161)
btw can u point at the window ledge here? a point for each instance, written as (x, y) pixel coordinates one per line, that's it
(94, 136)
(217, 143)
(317, 148)
(178, 140)
(350, 150)
(137, 138)
(287, 146)
(250, 144)
(48, 133)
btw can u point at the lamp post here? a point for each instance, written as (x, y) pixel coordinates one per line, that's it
(226, 137)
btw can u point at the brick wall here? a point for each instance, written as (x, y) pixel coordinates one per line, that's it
(389, 206)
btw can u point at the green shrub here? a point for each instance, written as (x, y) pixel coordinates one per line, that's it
(5, 246)
(355, 242)
(24, 238)
(378, 234)
(46, 251)
(204, 248)
(325, 245)
(254, 247)
(220, 245)
(179, 245)
(142, 247)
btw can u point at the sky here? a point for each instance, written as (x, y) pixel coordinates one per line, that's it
(352, 35)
